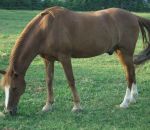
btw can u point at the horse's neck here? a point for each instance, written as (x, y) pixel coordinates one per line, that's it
(26, 47)
(22, 56)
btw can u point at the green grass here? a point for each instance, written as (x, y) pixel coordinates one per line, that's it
(100, 81)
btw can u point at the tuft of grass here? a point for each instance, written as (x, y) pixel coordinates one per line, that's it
(100, 81)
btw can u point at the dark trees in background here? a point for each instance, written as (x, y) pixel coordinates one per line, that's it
(133, 5)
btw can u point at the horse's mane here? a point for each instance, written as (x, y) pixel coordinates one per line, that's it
(23, 36)
(29, 28)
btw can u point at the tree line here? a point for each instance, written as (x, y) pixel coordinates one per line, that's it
(132, 5)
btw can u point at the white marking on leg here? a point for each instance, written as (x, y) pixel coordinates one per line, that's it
(6, 95)
(126, 100)
(134, 93)
(76, 107)
(47, 107)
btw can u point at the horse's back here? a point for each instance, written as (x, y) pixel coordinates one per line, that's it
(90, 33)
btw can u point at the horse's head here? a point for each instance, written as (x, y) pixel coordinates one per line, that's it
(14, 86)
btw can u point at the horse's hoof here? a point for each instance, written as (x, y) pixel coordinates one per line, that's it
(77, 109)
(123, 105)
(47, 107)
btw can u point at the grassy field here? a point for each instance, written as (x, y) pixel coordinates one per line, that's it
(100, 81)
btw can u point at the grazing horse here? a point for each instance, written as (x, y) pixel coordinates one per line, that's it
(61, 34)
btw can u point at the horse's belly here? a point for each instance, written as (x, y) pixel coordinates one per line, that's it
(87, 52)
(84, 55)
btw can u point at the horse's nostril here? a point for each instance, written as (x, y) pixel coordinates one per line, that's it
(12, 112)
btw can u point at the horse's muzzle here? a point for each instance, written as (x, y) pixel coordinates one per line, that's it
(12, 111)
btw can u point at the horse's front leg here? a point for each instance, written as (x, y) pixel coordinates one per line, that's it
(49, 79)
(66, 63)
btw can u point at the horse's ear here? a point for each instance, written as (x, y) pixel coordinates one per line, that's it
(2, 72)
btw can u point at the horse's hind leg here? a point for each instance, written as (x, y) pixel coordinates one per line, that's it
(66, 63)
(131, 91)
(49, 65)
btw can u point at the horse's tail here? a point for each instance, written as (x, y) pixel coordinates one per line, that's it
(143, 56)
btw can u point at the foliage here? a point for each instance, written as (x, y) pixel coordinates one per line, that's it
(134, 5)
(100, 81)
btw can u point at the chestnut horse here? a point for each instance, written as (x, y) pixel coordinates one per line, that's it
(61, 34)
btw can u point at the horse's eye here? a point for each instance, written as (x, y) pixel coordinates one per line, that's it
(15, 75)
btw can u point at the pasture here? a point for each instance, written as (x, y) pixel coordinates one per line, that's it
(100, 82)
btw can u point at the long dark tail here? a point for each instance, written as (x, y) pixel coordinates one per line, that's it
(145, 30)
